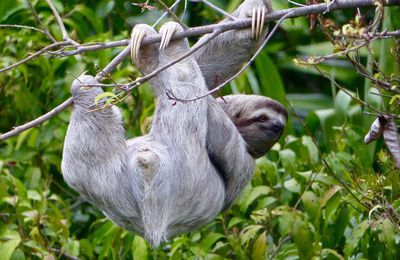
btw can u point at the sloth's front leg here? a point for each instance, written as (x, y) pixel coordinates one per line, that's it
(256, 10)
(223, 56)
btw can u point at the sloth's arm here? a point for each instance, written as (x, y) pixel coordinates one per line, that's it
(228, 152)
(94, 147)
(225, 55)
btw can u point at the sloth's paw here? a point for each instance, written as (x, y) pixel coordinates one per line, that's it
(257, 21)
(167, 31)
(137, 35)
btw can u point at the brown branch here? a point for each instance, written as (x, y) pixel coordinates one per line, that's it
(283, 241)
(61, 23)
(220, 86)
(245, 23)
(21, 27)
(19, 129)
(37, 121)
(40, 22)
(169, 64)
(165, 13)
(64, 254)
(172, 14)
(238, 24)
(217, 9)
(36, 54)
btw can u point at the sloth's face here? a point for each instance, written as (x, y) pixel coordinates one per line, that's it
(261, 122)
(262, 130)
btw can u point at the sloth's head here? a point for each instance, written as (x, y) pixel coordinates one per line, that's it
(260, 120)
(82, 92)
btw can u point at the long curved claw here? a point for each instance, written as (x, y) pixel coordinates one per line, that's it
(253, 23)
(257, 21)
(166, 31)
(262, 20)
(137, 36)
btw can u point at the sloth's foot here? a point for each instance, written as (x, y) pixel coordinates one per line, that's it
(167, 31)
(257, 21)
(137, 35)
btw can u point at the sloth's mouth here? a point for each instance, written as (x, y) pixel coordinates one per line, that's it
(272, 133)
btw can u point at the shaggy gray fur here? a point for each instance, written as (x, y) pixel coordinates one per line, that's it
(164, 183)
(194, 162)
(225, 55)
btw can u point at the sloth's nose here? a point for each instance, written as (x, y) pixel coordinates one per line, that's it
(277, 126)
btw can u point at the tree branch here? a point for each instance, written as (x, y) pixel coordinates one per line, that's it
(61, 23)
(221, 27)
(36, 54)
(234, 25)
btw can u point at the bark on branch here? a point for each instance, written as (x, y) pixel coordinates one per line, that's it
(222, 27)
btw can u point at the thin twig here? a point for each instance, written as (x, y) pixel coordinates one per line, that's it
(63, 254)
(172, 14)
(288, 13)
(362, 102)
(217, 9)
(295, 3)
(37, 121)
(40, 22)
(139, 81)
(36, 54)
(61, 23)
(220, 86)
(19, 129)
(21, 27)
(283, 241)
(165, 14)
(233, 25)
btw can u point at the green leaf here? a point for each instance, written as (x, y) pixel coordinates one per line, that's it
(34, 195)
(311, 148)
(104, 8)
(90, 16)
(105, 95)
(260, 246)
(292, 185)
(342, 105)
(303, 238)
(248, 233)
(210, 239)
(328, 195)
(319, 49)
(254, 194)
(387, 235)
(356, 234)
(234, 221)
(10, 239)
(310, 201)
(86, 248)
(326, 252)
(34, 174)
(270, 83)
(288, 158)
(331, 206)
(139, 248)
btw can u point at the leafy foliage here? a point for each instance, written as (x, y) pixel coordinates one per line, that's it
(320, 192)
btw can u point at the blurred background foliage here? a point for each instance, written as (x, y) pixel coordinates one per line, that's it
(319, 194)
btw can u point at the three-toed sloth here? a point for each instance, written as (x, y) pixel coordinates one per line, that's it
(197, 157)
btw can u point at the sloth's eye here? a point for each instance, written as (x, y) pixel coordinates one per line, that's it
(262, 118)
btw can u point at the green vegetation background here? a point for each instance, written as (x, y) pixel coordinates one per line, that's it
(319, 194)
